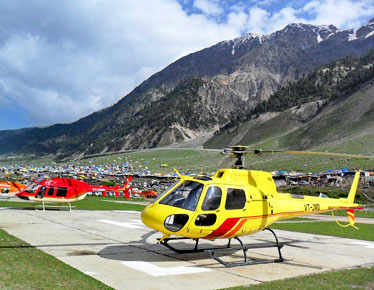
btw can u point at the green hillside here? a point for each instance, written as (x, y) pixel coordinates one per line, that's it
(349, 119)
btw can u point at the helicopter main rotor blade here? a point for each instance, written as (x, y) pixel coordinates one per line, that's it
(259, 152)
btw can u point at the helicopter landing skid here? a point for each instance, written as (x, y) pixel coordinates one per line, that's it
(212, 252)
(68, 204)
(165, 242)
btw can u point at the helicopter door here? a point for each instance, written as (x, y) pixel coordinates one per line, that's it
(210, 207)
(233, 215)
(221, 212)
(51, 190)
(207, 215)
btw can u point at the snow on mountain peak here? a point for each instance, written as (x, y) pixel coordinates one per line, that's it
(369, 34)
(320, 32)
(353, 35)
(237, 42)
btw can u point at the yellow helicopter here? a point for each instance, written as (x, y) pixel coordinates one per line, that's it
(235, 202)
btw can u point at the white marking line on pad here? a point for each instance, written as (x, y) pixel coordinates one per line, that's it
(90, 273)
(124, 225)
(126, 211)
(157, 271)
(365, 244)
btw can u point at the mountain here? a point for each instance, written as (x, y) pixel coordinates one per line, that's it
(198, 93)
(330, 106)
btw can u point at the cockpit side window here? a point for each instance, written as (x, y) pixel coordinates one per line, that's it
(31, 188)
(41, 192)
(185, 196)
(61, 191)
(51, 189)
(235, 198)
(212, 199)
(166, 191)
(5, 190)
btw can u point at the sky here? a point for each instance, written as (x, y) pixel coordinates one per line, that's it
(62, 60)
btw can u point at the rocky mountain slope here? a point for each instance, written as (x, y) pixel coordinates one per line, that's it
(198, 93)
(331, 105)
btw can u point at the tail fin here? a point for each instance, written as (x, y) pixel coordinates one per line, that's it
(352, 192)
(128, 180)
(351, 218)
(126, 184)
(126, 187)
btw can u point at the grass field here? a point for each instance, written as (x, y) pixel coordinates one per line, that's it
(197, 161)
(305, 163)
(365, 232)
(89, 203)
(360, 279)
(20, 160)
(361, 146)
(185, 160)
(25, 267)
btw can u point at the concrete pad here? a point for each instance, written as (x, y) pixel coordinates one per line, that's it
(117, 249)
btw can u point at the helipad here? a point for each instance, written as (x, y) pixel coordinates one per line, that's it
(117, 249)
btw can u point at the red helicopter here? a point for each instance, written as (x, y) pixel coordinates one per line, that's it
(67, 190)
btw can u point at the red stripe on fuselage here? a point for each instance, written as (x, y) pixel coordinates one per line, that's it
(224, 228)
(229, 223)
(237, 228)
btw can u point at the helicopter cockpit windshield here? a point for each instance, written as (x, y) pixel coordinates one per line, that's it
(185, 196)
(32, 188)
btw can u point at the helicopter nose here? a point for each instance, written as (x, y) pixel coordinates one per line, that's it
(151, 218)
(164, 218)
(21, 195)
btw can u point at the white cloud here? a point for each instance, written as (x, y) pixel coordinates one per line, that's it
(264, 2)
(261, 21)
(341, 13)
(258, 20)
(283, 17)
(76, 59)
(209, 7)
(237, 19)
